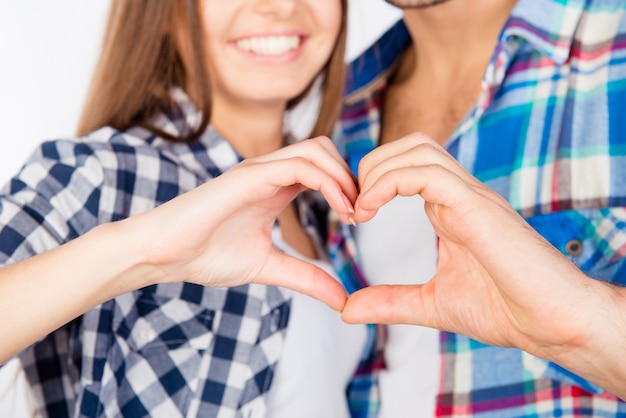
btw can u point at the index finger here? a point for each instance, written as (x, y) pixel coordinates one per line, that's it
(322, 153)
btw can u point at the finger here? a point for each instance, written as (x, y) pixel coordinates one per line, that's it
(341, 166)
(302, 148)
(322, 153)
(386, 304)
(436, 184)
(292, 273)
(330, 147)
(298, 170)
(270, 184)
(419, 155)
(390, 149)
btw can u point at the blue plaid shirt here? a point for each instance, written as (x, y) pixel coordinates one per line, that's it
(548, 132)
(166, 350)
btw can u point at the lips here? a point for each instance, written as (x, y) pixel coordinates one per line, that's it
(272, 45)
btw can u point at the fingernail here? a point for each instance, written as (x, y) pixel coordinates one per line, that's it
(349, 207)
(351, 219)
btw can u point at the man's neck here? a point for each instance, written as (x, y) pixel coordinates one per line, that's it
(439, 78)
(453, 35)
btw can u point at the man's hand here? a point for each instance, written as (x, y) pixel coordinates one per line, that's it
(497, 280)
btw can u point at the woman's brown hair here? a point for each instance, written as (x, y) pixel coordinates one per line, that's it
(143, 57)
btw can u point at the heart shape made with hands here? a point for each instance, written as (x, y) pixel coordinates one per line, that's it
(474, 290)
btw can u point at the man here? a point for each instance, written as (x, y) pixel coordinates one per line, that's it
(475, 226)
(528, 96)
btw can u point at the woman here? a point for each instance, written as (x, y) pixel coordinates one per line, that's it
(185, 90)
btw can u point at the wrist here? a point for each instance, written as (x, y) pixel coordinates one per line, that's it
(120, 252)
(605, 346)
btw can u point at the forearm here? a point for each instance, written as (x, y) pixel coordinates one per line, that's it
(44, 292)
(563, 315)
(598, 355)
(603, 357)
(218, 234)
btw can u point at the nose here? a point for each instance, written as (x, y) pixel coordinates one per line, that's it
(279, 9)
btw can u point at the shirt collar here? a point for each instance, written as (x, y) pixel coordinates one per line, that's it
(180, 118)
(211, 153)
(373, 65)
(548, 25)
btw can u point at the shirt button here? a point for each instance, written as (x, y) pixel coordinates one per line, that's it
(274, 319)
(574, 247)
(148, 334)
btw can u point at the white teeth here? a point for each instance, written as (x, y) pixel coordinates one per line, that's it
(269, 45)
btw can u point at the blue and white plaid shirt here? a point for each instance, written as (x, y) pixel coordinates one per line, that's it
(548, 132)
(166, 350)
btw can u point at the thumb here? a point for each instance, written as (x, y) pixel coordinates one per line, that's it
(386, 304)
(289, 272)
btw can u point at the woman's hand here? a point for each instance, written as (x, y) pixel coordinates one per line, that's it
(216, 235)
(220, 233)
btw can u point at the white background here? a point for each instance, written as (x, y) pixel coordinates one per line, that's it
(47, 53)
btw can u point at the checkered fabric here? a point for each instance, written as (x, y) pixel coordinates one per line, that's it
(168, 350)
(548, 132)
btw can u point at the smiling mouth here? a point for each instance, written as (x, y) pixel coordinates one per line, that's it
(269, 45)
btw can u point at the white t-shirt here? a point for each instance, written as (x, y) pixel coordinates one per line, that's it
(320, 355)
(398, 246)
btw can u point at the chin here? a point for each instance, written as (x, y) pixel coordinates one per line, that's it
(276, 93)
(414, 4)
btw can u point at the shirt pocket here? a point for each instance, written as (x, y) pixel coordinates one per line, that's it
(150, 323)
(595, 240)
(158, 340)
